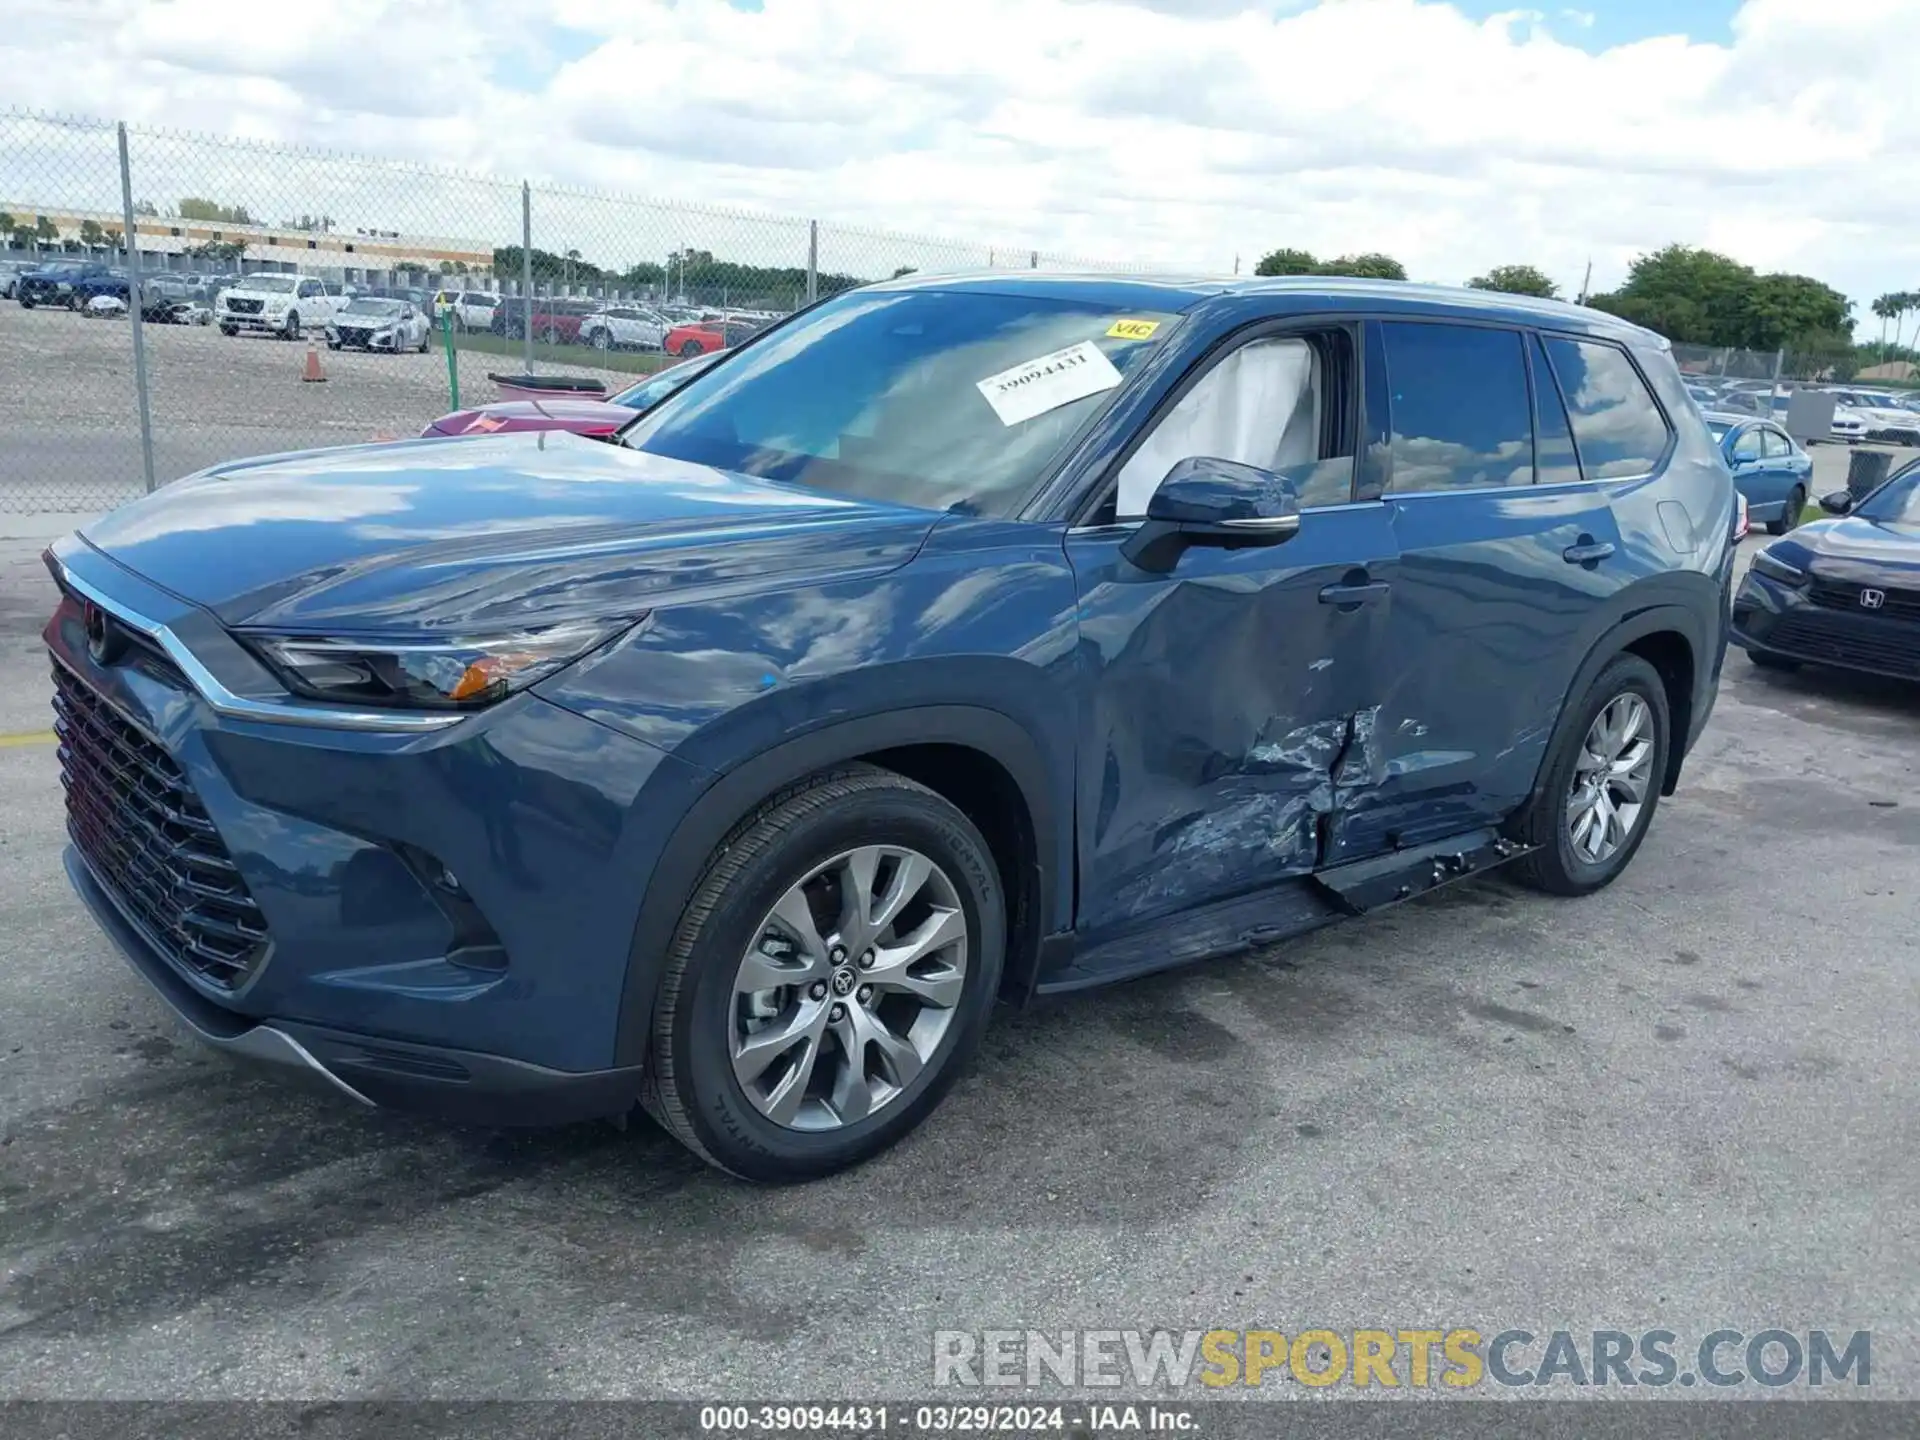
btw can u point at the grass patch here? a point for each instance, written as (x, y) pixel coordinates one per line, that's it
(483, 342)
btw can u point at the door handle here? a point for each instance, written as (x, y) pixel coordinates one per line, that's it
(1587, 552)
(1354, 594)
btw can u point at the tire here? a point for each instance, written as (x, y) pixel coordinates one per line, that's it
(550, 335)
(1790, 516)
(602, 340)
(26, 302)
(691, 348)
(426, 340)
(691, 1086)
(291, 330)
(229, 330)
(1547, 820)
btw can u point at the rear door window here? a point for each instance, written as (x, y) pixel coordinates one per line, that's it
(1462, 417)
(1775, 445)
(1618, 428)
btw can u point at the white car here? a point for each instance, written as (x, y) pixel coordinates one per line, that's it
(371, 323)
(1885, 420)
(282, 305)
(1848, 425)
(624, 327)
(471, 309)
(106, 307)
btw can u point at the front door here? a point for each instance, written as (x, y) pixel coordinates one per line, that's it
(1227, 715)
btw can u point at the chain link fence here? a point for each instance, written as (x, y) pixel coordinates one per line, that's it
(246, 257)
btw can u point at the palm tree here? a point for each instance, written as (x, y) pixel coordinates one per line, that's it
(1886, 307)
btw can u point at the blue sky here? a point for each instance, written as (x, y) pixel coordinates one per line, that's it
(1619, 22)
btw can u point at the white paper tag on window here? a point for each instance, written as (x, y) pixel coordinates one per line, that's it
(1049, 381)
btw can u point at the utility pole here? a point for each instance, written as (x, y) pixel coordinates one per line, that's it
(1585, 282)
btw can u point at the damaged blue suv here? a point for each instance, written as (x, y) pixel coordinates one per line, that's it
(956, 639)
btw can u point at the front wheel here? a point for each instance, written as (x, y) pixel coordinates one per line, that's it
(292, 330)
(1789, 513)
(1600, 784)
(602, 340)
(829, 979)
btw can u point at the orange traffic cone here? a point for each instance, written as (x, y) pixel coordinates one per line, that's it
(313, 371)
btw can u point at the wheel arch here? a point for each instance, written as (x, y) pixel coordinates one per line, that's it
(1673, 639)
(981, 760)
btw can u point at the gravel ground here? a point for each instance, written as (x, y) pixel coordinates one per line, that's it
(69, 429)
(1689, 1101)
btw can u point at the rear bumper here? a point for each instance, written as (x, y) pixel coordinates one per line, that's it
(457, 1085)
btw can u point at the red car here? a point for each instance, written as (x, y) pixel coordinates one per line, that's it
(597, 418)
(703, 337)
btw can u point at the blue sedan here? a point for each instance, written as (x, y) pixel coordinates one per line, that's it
(1772, 472)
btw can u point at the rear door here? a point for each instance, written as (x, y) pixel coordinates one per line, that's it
(1504, 547)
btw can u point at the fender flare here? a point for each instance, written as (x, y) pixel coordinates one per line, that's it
(736, 791)
(1637, 624)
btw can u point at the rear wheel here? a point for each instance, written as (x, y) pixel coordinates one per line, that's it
(1790, 514)
(690, 348)
(551, 335)
(602, 340)
(829, 979)
(1601, 783)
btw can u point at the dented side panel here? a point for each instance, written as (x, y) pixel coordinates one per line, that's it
(1229, 715)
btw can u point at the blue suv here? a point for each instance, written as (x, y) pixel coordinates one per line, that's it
(955, 639)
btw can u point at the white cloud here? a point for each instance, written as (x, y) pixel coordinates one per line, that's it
(1176, 132)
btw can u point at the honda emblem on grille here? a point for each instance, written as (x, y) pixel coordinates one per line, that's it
(1872, 599)
(104, 640)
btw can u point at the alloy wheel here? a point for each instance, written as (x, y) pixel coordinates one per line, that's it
(852, 981)
(1610, 779)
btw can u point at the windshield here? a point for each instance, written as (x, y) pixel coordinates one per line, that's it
(1897, 502)
(271, 284)
(938, 399)
(388, 308)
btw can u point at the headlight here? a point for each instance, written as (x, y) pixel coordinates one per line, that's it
(455, 674)
(383, 334)
(1775, 568)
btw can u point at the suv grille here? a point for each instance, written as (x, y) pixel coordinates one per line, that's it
(133, 814)
(242, 307)
(1845, 595)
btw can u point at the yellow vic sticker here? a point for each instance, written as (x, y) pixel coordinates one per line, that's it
(1132, 329)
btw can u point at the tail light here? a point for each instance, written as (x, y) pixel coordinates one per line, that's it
(1741, 524)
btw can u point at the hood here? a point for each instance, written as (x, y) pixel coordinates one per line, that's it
(487, 534)
(559, 413)
(1853, 548)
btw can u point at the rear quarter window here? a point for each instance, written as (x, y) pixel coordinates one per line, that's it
(1618, 429)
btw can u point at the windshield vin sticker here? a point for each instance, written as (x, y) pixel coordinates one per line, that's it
(1049, 381)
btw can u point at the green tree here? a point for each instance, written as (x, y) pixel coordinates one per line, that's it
(145, 207)
(1698, 297)
(1516, 280)
(1287, 262)
(225, 251)
(1370, 266)
(91, 234)
(7, 225)
(905, 270)
(45, 231)
(194, 207)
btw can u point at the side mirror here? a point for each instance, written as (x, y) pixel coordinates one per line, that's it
(1836, 502)
(1208, 501)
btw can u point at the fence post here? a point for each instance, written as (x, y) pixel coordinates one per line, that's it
(134, 279)
(526, 265)
(813, 261)
(1033, 261)
(1779, 363)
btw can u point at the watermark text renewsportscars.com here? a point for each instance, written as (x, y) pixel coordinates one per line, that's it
(1444, 1359)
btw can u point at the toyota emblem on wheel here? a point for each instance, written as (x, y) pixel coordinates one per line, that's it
(1872, 599)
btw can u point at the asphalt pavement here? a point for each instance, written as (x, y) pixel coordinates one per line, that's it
(1688, 1102)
